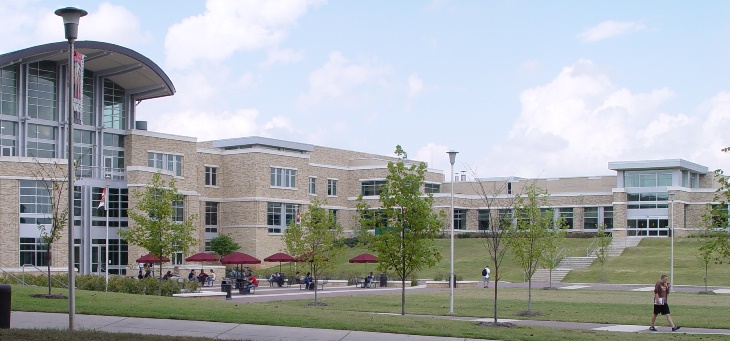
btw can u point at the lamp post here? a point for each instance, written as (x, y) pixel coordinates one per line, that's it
(105, 198)
(71, 17)
(452, 283)
(671, 231)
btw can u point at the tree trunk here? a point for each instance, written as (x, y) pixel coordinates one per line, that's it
(550, 283)
(496, 284)
(403, 295)
(529, 295)
(48, 264)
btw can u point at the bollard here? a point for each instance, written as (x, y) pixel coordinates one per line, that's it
(5, 306)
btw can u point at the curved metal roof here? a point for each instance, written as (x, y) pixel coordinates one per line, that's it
(137, 74)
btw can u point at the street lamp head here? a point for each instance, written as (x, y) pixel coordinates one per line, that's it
(671, 196)
(452, 156)
(71, 17)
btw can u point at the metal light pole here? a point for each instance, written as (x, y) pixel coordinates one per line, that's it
(71, 17)
(671, 230)
(106, 214)
(452, 160)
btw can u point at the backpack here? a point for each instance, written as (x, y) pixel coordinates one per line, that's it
(484, 272)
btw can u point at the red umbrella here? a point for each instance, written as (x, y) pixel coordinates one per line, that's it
(239, 258)
(280, 257)
(202, 257)
(150, 258)
(364, 258)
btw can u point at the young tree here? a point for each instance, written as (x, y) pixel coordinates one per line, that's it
(223, 245)
(406, 224)
(158, 228)
(710, 237)
(721, 213)
(54, 179)
(533, 228)
(315, 240)
(552, 254)
(603, 248)
(498, 227)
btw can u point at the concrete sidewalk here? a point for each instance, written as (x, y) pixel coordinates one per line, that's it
(234, 331)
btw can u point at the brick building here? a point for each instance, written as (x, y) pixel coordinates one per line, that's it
(250, 187)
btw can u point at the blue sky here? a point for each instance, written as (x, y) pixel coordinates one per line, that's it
(523, 88)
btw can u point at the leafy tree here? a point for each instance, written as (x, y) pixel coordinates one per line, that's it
(721, 213)
(406, 223)
(498, 228)
(315, 240)
(603, 248)
(223, 245)
(710, 238)
(157, 228)
(54, 178)
(552, 254)
(533, 228)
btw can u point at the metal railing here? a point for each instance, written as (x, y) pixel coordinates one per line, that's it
(44, 273)
(590, 248)
(13, 276)
(96, 172)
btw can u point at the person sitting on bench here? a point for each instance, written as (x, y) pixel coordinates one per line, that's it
(369, 280)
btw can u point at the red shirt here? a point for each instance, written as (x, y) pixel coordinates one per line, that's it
(254, 281)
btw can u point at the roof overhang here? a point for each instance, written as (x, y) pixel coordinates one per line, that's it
(262, 141)
(658, 164)
(139, 75)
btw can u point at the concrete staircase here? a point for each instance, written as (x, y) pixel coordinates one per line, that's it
(617, 247)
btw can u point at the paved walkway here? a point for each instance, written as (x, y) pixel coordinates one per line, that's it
(233, 331)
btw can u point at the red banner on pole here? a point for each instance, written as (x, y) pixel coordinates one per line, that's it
(78, 90)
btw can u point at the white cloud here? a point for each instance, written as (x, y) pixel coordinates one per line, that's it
(337, 79)
(228, 27)
(578, 122)
(283, 56)
(415, 86)
(610, 28)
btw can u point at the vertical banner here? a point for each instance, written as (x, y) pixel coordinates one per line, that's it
(78, 90)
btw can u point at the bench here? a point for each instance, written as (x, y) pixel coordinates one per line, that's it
(286, 283)
(199, 294)
(320, 283)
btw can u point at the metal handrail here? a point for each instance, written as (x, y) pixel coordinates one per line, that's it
(13, 276)
(590, 248)
(43, 272)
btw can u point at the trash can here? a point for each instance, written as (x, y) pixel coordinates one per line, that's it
(226, 287)
(383, 280)
(4, 306)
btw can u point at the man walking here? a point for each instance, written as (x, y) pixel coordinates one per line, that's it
(661, 306)
(485, 276)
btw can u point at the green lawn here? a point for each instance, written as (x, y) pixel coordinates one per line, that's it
(646, 262)
(470, 256)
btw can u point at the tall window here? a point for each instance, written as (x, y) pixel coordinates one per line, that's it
(590, 218)
(115, 111)
(211, 217)
(41, 141)
(170, 162)
(608, 217)
(432, 188)
(567, 214)
(33, 252)
(118, 255)
(8, 138)
(88, 105)
(42, 91)
(211, 174)
(83, 147)
(483, 220)
(283, 177)
(118, 203)
(334, 215)
(371, 187)
(312, 185)
(331, 187)
(113, 153)
(459, 219)
(178, 208)
(278, 215)
(9, 90)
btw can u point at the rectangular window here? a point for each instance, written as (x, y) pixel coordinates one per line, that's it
(567, 214)
(459, 219)
(370, 187)
(33, 252)
(590, 218)
(211, 174)
(115, 111)
(211, 217)
(283, 177)
(279, 215)
(312, 185)
(42, 91)
(35, 197)
(170, 162)
(483, 220)
(178, 207)
(117, 200)
(331, 187)
(9, 90)
(8, 138)
(114, 156)
(431, 188)
(41, 141)
(334, 215)
(648, 178)
(608, 217)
